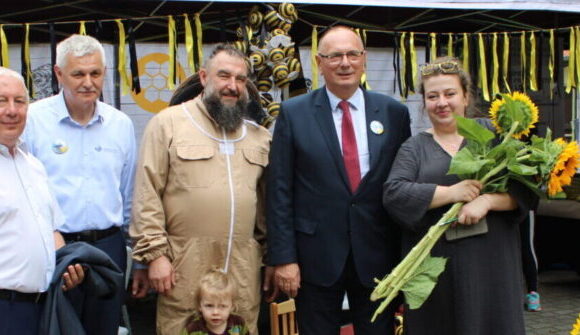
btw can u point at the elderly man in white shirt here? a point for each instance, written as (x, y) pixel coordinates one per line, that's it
(29, 216)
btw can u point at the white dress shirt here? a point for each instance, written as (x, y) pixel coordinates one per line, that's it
(359, 122)
(29, 215)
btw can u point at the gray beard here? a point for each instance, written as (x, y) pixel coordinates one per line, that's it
(228, 117)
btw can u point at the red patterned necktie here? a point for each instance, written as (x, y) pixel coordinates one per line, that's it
(349, 148)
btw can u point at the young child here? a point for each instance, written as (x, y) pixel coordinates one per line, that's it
(214, 303)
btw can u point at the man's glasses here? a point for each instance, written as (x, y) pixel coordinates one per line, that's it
(445, 67)
(336, 57)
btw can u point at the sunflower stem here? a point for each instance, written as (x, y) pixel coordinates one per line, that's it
(392, 284)
(523, 158)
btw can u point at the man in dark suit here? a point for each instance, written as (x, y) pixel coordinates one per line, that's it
(327, 230)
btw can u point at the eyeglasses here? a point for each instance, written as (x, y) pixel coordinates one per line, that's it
(445, 67)
(336, 57)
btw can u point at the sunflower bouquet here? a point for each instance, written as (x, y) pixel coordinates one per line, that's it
(544, 165)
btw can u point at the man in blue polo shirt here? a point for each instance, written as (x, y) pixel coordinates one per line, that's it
(88, 149)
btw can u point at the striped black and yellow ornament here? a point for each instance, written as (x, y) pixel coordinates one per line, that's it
(240, 32)
(240, 45)
(288, 11)
(289, 51)
(257, 58)
(265, 72)
(280, 71)
(278, 31)
(285, 26)
(272, 20)
(255, 18)
(294, 65)
(283, 82)
(264, 84)
(267, 121)
(265, 99)
(276, 55)
(274, 109)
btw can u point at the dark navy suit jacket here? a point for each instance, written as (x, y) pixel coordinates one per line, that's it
(313, 218)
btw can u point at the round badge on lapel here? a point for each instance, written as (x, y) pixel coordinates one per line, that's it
(377, 127)
(59, 147)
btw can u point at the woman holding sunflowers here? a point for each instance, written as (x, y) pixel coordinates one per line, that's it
(479, 293)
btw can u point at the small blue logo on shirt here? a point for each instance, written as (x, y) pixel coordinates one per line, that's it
(59, 147)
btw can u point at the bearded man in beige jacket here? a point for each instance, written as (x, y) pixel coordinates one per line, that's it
(199, 194)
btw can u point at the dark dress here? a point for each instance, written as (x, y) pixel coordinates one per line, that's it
(480, 291)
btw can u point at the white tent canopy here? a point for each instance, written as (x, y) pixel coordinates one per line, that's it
(552, 5)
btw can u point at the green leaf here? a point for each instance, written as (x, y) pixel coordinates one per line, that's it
(465, 163)
(421, 284)
(522, 169)
(497, 152)
(499, 186)
(472, 130)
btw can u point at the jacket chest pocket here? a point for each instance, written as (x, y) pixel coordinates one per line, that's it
(194, 165)
(256, 160)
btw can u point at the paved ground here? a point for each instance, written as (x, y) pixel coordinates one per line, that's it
(559, 289)
(560, 294)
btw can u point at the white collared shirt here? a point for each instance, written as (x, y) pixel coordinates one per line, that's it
(359, 121)
(29, 215)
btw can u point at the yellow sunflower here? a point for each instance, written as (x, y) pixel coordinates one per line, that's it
(565, 167)
(576, 328)
(514, 107)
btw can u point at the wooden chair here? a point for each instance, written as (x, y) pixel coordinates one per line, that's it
(283, 318)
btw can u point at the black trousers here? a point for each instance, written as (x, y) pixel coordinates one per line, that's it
(20, 318)
(102, 316)
(319, 308)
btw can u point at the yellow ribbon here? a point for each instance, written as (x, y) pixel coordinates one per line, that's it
(313, 53)
(171, 45)
(189, 44)
(402, 68)
(414, 65)
(4, 42)
(29, 81)
(199, 34)
(533, 74)
(482, 82)
(362, 33)
(495, 75)
(506, 61)
(577, 57)
(571, 78)
(122, 59)
(363, 36)
(523, 59)
(465, 59)
(82, 29)
(432, 47)
(450, 45)
(364, 75)
(551, 62)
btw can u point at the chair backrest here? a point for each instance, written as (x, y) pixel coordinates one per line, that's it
(283, 318)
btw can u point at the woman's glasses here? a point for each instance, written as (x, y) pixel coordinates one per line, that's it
(445, 67)
(336, 57)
